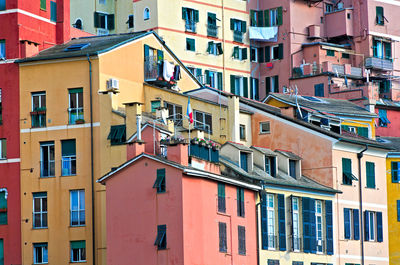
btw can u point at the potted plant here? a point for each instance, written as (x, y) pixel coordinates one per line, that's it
(165, 141)
(202, 142)
(195, 140)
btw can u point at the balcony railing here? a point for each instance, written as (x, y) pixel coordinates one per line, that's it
(47, 168)
(38, 119)
(102, 32)
(190, 26)
(68, 166)
(379, 64)
(338, 68)
(75, 115)
(150, 68)
(238, 36)
(212, 30)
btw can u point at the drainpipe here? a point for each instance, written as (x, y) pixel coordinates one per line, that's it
(91, 160)
(359, 156)
(258, 235)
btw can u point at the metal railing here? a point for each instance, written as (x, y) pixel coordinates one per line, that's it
(68, 166)
(190, 26)
(379, 63)
(38, 120)
(150, 68)
(238, 36)
(212, 30)
(75, 115)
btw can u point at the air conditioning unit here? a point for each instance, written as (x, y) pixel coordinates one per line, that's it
(112, 84)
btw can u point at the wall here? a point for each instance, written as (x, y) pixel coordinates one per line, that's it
(392, 128)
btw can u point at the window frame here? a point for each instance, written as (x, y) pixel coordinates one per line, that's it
(319, 215)
(48, 147)
(45, 254)
(68, 160)
(80, 194)
(271, 222)
(203, 122)
(194, 44)
(3, 50)
(81, 251)
(397, 171)
(253, 51)
(273, 13)
(178, 119)
(274, 52)
(78, 110)
(261, 127)
(296, 229)
(242, 132)
(41, 212)
(372, 226)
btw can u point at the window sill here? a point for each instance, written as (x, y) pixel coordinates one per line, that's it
(72, 175)
(74, 226)
(370, 188)
(39, 228)
(264, 133)
(73, 262)
(223, 214)
(47, 177)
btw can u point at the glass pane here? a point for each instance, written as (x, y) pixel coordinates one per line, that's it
(43, 101)
(74, 218)
(52, 169)
(36, 220)
(81, 199)
(35, 102)
(44, 204)
(51, 150)
(72, 100)
(45, 256)
(80, 99)
(36, 205)
(83, 254)
(44, 220)
(74, 200)
(82, 220)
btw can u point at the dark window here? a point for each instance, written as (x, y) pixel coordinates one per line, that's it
(203, 121)
(328, 9)
(395, 172)
(297, 263)
(254, 88)
(213, 79)
(253, 54)
(78, 24)
(265, 127)
(222, 237)
(68, 160)
(40, 253)
(330, 53)
(53, 11)
(370, 169)
(383, 119)
(398, 210)
(1, 110)
(43, 4)
(3, 148)
(40, 210)
(214, 48)
(161, 240)
(292, 168)
(2, 5)
(117, 134)
(75, 109)
(380, 18)
(242, 240)
(346, 169)
(319, 90)
(345, 55)
(130, 21)
(47, 162)
(244, 161)
(382, 49)
(273, 262)
(212, 29)
(242, 130)
(78, 251)
(3, 210)
(104, 21)
(3, 49)
(240, 202)
(159, 184)
(239, 53)
(190, 44)
(221, 198)
(174, 113)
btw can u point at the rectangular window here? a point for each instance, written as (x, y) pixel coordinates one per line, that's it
(244, 161)
(117, 134)
(347, 176)
(319, 90)
(161, 240)
(370, 218)
(221, 198)
(2, 5)
(40, 255)
(78, 251)
(214, 79)
(253, 54)
(239, 53)
(203, 121)
(272, 84)
(212, 29)
(3, 49)
(296, 224)
(53, 11)
(319, 226)
(38, 114)
(292, 168)
(273, 17)
(77, 207)
(40, 210)
(155, 105)
(191, 17)
(43, 4)
(238, 27)
(274, 52)
(370, 169)
(242, 240)
(242, 130)
(130, 21)
(380, 18)
(330, 53)
(271, 221)
(3, 149)
(1, 110)
(47, 163)
(395, 172)
(347, 216)
(68, 159)
(382, 49)
(383, 119)
(174, 113)
(214, 48)
(75, 109)
(222, 237)
(159, 184)
(345, 56)
(273, 262)
(254, 88)
(265, 127)
(373, 226)
(328, 8)
(3, 210)
(253, 18)
(240, 202)
(190, 44)
(104, 21)
(398, 210)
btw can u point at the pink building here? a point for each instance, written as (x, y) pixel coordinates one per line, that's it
(178, 213)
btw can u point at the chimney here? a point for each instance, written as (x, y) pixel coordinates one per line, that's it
(133, 119)
(134, 149)
(28, 48)
(178, 153)
(63, 24)
(233, 118)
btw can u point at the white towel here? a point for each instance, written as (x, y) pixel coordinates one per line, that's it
(168, 70)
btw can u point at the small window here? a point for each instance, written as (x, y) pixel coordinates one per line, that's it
(40, 253)
(328, 8)
(47, 160)
(146, 13)
(348, 16)
(347, 176)
(3, 149)
(222, 237)
(214, 48)
(380, 18)
(244, 161)
(242, 129)
(275, 52)
(190, 44)
(117, 134)
(39, 210)
(330, 53)
(273, 262)
(130, 22)
(345, 55)
(53, 11)
(77, 207)
(78, 251)
(155, 105)
(240, 202)
(43, 4)
(383, 119)
(242, 240)
(370, 172)
(75, 109)
(68, 157)
(253, 54)
(221, 198)
(2, 5)
(265, 127)
(395, 172)
(161, 240)
(78, 24)
(3, 49)
(3, 208)
(159, 184)
(292, 168)
(203, 121)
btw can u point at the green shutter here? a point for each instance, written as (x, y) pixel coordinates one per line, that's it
(244, 26)
(219, 49)
(78, 244)
(219, 76)
(160, 55)
(212, 19)
(267, 85)
(388, 50)
(68, 148)
(207, 74)
(43, 4)
(196, 15)
(370, 168)
(260, 54)
(221, 190)
(276, 84)
(280, 16)
(3, 200)
(110, 22)
(266, 18)
(232, 23)
(267, 53)
(198, 72)
(96, 19)
(280, 51)
(251, 88)
(260, 18)
(190, 44)
(53, 11)
(233, 84)
(253, 20)
(235, 52)
(362, 131)
(245, 87)
(1, 252)
(146, 50)
(184, 13)
(75, 90)
(209, 47)
(379, 15)
(244, 53)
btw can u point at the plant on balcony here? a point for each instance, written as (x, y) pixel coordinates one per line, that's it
(195, 140)
(174, 140)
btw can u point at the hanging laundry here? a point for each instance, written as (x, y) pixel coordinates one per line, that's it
(177, 72)
(168, 70)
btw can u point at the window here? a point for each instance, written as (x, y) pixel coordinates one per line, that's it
(238, 27)
(253, 18)
(40, 210)
(271, 221)
(3, 149)
(222, 237)
(373, 226)
(1, 251)
(395, 168)
(104, 21)
(75, 109)
(38, 114)
(130, 22)
(47, 163)
(382, 49)
(242, 132)
(78, 251)
(3, 49)
(146, 13)
(174, 113)
(191, 17)
(214, 48)
(1, 110)
(345, 56)
(117, 134)
(292, 168)
(190, 44)
(239, 53)
(2, 5)
(346, 169)
(53, 11)
(244, 161)
(296, 224)
(370, 169)
(385, 86)
(398, 210)
(383, 119)
(253, 54)
(78, 24)
(161, 240)
(328, 8)
(274, 52)
(270, 165)
(68, 160)
(254, 88)
(77, 207)
(273, 262)
(203, 121)
(319, 90)
(159, 184)
(380, 18)
(3, 209)
(43, 4)
(351, 224)
(221, 198)
(272, 84)
(265, 127)
(155, 105)
(214, 79)
(239, 86)
(242, 240)
(240, 202)
(212, 29)
(318, 225)
(40, 255)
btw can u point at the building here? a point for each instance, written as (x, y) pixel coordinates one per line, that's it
(74, 136)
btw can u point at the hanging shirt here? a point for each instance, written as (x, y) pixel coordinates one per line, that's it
(168, 70)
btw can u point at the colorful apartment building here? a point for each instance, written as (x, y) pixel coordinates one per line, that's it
(71, 135)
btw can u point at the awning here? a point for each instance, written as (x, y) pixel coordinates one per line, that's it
(268, 34)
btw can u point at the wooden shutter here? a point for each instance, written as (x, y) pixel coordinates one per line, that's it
(398, 210)
(379, 227)
(233, 84)
(208, 79)
(267, 54)
(305, 203)
(235, 52)
(280, 51)
(276, 84)
(366, 226)
(266, 18)
(196, 15)
(96, 20)
(209, 47)
(280, 20)
(219, 48)
(260, 54)
(53, 11)
(251, 88)
(184, 13)
(219, 76)
(43, 4)
(264, 222)
(313, 235)
(329, 227)
(282, 222)
(244, 53)
(253, 20)
(245, 87)
(370, 169)
(268, 85)
(260, 18)
(221, 197)
(347, 225)
(232, 23)
(356, 224)
(110, 22)
(243, 26)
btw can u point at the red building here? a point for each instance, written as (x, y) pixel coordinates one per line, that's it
(27, 26)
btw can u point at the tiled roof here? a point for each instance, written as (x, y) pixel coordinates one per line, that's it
(263, 150)
(391, 142)
(239, 146)
(288, 154)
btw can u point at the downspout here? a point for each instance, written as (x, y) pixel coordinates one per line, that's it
(258, 235)
(359, 156)
(91, 160)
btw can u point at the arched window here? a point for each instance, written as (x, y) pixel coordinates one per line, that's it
(146, 13)
(78, 24)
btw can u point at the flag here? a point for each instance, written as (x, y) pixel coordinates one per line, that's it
(189, 112)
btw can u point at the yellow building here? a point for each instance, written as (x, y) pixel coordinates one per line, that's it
(71, 95)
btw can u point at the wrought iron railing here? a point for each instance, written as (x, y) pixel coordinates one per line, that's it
(238, 36)
(212, 30)
(190, 26)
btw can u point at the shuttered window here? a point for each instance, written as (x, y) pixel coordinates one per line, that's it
(240, 202)
(161, 239)
(244, 161)
(3, 208)
(43, 4)
(264, 222)
(53, 11)
(309, 228)
(398, 210)
(356, 224)
(254, 86)
(242, 240)
(395, 172)
(159, 184)
(221, 198)
(379, 227)
(2, 7)
(282, 223)
(370, 169)
(222, 237)
(380, 19)
(117, 134)
(190, 44)
(346, 169)
(347, 223)
(329, 227)
(3, 148)
(373, 228)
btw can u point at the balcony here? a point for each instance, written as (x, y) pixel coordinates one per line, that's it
(378, 64)
(190, 26)
(238, 36)
(325, 68)
(75, 116)
(102, 32)
(339, 23)
(212, 30)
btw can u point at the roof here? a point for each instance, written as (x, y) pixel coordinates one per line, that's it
(238, 146)
(327, 105)
(265, 151)
(343, 46)
(392, 142)
(288, 154)
(387, 103)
